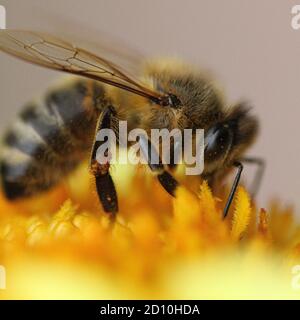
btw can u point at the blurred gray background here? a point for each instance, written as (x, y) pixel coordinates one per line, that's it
(249, 45)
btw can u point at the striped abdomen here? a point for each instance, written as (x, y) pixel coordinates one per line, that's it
(50, 138)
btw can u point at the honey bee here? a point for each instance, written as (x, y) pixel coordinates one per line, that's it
(50, 137)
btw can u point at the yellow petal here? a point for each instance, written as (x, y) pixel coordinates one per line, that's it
(241, 214)
(186, 206)
(263, 224)
(207, 198)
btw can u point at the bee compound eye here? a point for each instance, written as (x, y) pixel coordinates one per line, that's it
(217, 141)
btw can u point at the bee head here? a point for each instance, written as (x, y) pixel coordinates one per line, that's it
(226, 141)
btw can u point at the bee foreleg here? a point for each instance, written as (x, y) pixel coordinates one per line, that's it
(104, 183)
(260, 163)
(155, 164)
(235, 184)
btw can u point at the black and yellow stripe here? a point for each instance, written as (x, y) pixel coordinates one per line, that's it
(50, 138)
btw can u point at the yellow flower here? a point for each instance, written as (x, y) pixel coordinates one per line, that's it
(61, 244)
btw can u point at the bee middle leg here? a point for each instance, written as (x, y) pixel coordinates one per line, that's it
(212, 180)
(234, 186)
(259, 162)
(256, 183)
(104, 183)
(168, 182)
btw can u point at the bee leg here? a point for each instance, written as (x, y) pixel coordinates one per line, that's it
(155, 164)
(235, 184)
(104, 183)
(260, 163)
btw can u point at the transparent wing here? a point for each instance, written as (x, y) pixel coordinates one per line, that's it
(54, 53)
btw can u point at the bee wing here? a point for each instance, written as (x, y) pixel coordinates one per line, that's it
(54, 53)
